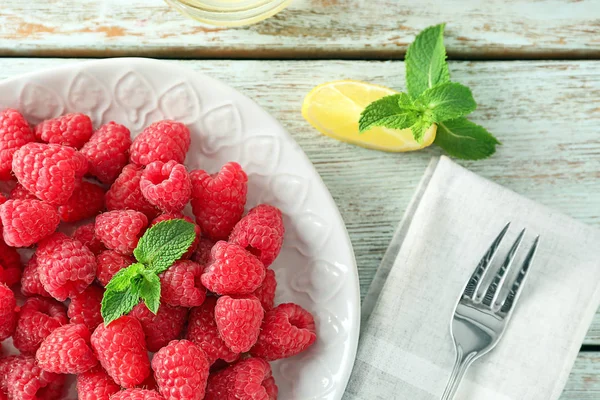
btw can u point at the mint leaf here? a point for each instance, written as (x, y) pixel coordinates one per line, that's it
(425, 61)
(461, 138)
(122, 279)
(447, 101)
(117, 303)
(395, 112)
(419, 128)
(150, 290)
(164, 243)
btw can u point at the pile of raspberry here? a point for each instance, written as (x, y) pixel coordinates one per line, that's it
(217, 326)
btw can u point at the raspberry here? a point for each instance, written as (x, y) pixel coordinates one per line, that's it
(121, 230)
(10, 263)
(30, 281)
(167, 217)
(20, 193)
(65, 266)
(96, 385)
(249, 379)
(27, 381)
(121, 349)
(10, 276)
(86, 234)
(137, 394)
(26, 222)
(218, 200)
(108, 263)
(37, 319)
(287, 330)
(8, 312)
(181, 286)
(50, 171)
(149, 383)
(162, 141)
(125, 193)
(238, 321)
(67, 350)
(202, 330)
(67, 130)
(166, 185)
(266, 292)
(87, 201)
(84, 308)
(162, 327)
(2, 200)
(202, 253)
(233, 270)
(14, 133)
(107, 151)
(181, 371)
(260, 232)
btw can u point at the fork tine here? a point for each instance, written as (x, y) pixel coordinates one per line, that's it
(491, 295)
(515, 291)
(475, 281)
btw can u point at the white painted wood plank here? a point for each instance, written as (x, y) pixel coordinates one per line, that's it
(546, 113)
(584, 381)
(308, 28)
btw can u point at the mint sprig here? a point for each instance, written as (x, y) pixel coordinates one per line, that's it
(432, 99)
(161, 245)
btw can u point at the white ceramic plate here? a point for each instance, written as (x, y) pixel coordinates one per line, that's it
(316, 267)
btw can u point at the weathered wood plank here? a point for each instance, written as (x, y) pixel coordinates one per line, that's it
(546, 114)
(584, 381)
(307, 29)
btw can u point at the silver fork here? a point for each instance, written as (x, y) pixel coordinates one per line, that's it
(481, 316)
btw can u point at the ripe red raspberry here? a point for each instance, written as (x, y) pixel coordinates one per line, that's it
(108, 263)
(87, 201)
(10, 276)
(121, 230)
(202, 330)
(14, 133)
(287, 330)
(162, 327)
(84, 308)
(233, 270)
(266, 292)
(181, 286)
(67, 350)
(50, 171)
(96, 385)
(218, 200)
(121, 349)
(30, 281)
(181, 371)
(149, 383)
(26, 222)
(108, 151)
(260, 232)
(202, 253)
(27, 381)
(65, 266)
(2, 200)
(166, 185)
(248, 379)
(86, 234)
(68, 130)
(10, 263)
(37, 319)
(238, 321)
(125, 193)
(137, 394)
(168, 217)
(8, 312)
(20, 193)
(162, 141)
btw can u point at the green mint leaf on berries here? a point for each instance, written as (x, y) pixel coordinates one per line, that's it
(117, 303)
(150, 290)
(395, 112)
(463, 139)
(164, 243)
(425, 61)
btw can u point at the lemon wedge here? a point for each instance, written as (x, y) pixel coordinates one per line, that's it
(334, 108)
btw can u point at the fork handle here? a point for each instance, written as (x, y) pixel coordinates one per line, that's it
(462, 363)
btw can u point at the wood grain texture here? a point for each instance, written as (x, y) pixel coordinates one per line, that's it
(307, 29)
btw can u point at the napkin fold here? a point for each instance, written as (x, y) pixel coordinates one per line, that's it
(406, 351)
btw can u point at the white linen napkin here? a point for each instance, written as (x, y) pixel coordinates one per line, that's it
(406, 351)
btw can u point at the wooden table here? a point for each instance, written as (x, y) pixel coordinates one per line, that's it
(532, 65)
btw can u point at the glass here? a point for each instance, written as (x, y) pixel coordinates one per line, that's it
(229, 12)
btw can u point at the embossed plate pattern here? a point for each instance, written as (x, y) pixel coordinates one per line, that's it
(316, 267)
